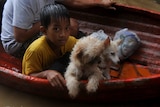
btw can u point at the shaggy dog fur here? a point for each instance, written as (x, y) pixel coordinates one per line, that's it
(91, 59)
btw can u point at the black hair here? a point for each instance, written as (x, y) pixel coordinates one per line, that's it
(53, 11)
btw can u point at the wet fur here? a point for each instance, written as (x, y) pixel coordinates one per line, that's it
(90, 58)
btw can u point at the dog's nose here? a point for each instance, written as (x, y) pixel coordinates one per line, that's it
(119, 62)
(99, 61)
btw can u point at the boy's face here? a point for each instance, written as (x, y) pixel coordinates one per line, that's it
(58, 32)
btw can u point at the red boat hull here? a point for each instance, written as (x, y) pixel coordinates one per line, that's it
(145, 23)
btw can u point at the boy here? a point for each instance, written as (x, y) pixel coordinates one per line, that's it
(55, 25)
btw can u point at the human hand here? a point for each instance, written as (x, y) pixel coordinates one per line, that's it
(56, 79)
(106, 4)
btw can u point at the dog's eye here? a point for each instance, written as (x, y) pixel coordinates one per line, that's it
(112, 53)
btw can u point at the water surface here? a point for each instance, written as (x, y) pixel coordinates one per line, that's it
(153, 5)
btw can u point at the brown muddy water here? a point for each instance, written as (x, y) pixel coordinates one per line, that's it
(153, 5)
(13, 98)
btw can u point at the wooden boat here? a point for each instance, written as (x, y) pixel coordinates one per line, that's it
(139, 78)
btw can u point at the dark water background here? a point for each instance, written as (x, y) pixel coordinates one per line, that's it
(13, 98)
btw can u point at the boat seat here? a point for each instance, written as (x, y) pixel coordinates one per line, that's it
(130, 70)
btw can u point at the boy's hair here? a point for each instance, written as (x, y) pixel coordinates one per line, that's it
(53, 11)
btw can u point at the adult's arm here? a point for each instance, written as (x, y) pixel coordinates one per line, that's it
(89, 3)
(22, 35)
(25, 20)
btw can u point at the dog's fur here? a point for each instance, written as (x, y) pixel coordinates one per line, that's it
(90, 58)
(108, 57)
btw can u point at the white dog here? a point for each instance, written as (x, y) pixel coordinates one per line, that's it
(90, 58)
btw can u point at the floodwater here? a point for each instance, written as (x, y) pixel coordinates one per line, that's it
(153, 5)
(13, 98)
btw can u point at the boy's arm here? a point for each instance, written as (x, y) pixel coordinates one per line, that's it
(89, 3)
(32, 65)
(54, 77)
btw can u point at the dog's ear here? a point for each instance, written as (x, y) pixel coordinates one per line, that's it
(107, 42)
(79, 53)
(118, 41)
(83, 58)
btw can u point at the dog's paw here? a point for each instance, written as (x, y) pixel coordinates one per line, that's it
(92, 88)
(73, 93)
(107, 77)
(73, 87)
(104, 78)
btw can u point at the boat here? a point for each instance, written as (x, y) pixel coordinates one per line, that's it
(139, 77)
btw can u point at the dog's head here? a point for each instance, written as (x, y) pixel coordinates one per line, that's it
(85, 58)
(111, 50)
(87, 50)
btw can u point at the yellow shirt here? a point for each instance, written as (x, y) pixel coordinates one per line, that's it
(39, 56)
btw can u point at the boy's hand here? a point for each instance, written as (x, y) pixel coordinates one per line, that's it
(53, 76)
(56, 79)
